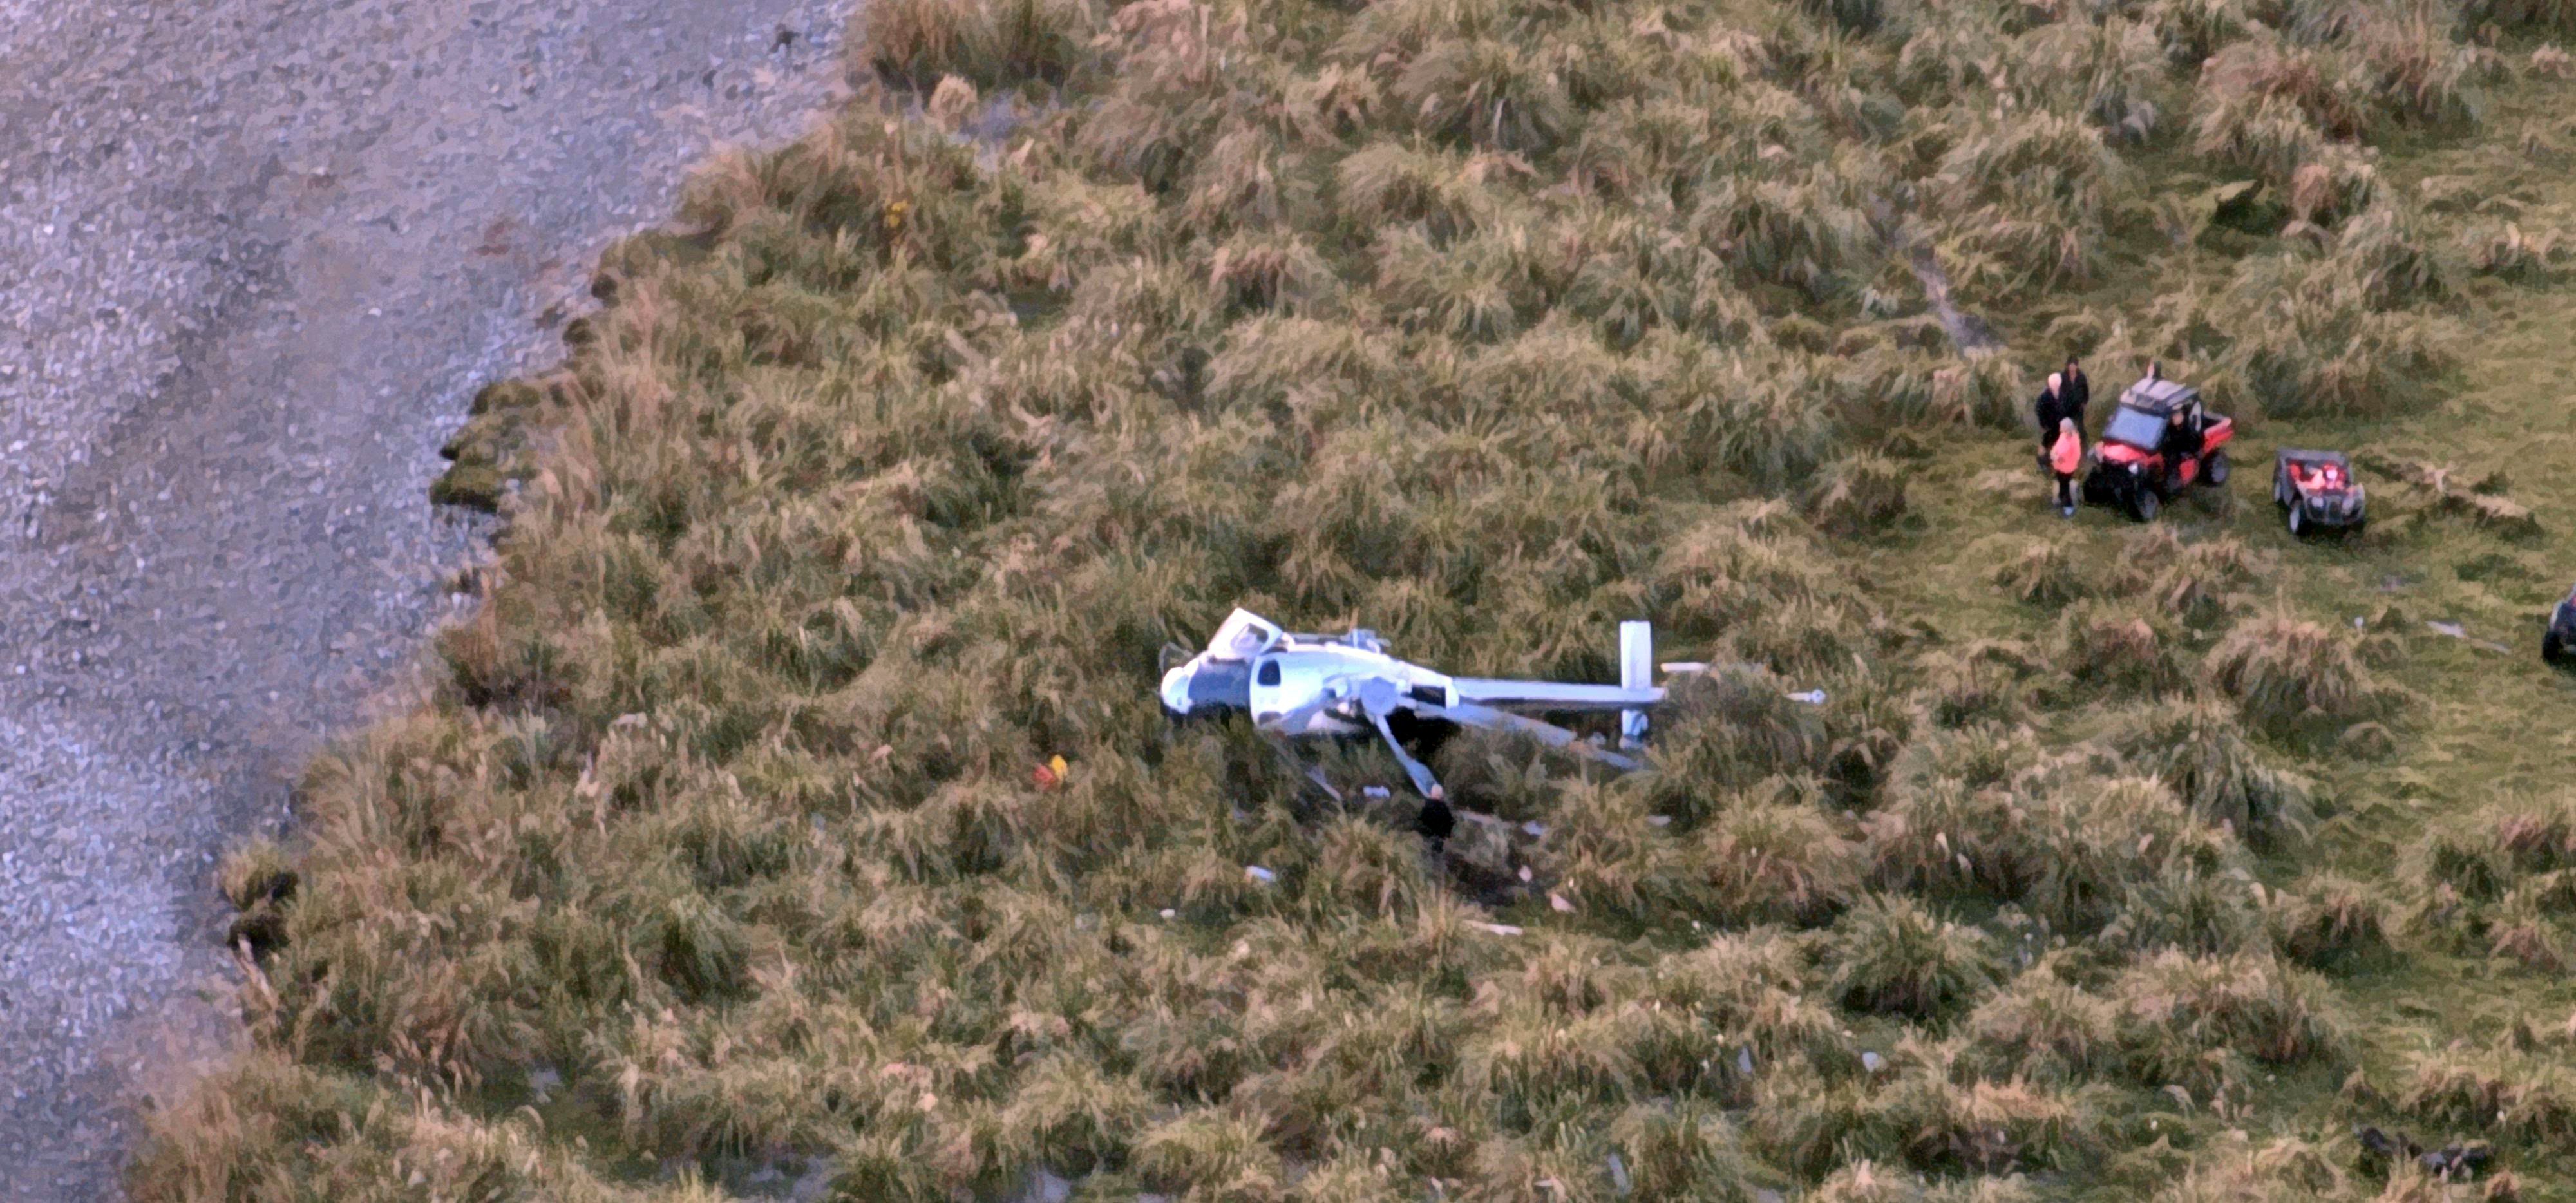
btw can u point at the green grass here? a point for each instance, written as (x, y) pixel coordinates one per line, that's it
(2122, 863)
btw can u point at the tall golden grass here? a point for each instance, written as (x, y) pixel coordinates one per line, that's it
(886, 478)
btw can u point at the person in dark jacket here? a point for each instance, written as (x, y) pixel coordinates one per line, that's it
(2181, 441)
(2050, 409)
(2075, 394)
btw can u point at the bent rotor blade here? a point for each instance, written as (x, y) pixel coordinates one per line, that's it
(1293, 722)
(1547, 733)
(1423, 782)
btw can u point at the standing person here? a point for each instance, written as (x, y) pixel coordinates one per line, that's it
(2063, 459)
(2076, 393)
(2050, 409)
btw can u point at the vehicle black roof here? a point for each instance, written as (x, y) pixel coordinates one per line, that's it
(2159, 397)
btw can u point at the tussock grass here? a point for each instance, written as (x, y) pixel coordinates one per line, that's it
(256, 873)
(2287, 671)
(1732, 730)
(2044, 573)
(2281, 1170)
(1776, 863)
(2497, 882)
(1989, 681)
(1858, 494)
(886, 478)
(990, 42)
(2199, 582)
(2529, 1094)
(2329, 922)
(2122, 646)
(2043, 1028)
(1891, 955)
(2182, 1015)
(2197, 750)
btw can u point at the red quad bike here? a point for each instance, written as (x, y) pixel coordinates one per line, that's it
(2145, 458)
(2317, 491)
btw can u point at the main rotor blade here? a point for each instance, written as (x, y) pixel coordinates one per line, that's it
(1547, 733)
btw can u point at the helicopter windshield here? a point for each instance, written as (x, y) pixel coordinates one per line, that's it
(1243, 636)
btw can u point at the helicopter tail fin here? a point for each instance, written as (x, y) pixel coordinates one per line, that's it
(1636, 671)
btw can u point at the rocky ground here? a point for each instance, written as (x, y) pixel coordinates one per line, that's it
(254, 257)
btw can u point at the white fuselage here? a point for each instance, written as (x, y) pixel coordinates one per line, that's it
(1301, 685)
(1290, 679)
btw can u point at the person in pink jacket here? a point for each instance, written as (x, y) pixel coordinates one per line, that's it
(2063, 459)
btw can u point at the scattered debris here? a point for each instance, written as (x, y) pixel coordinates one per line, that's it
(1051, 774)
(2451, 1162)
(1557, 902)
(1872, 1062)
(2456, 1161)
(1500, 929)
(1618, 1174)
(1259, 874)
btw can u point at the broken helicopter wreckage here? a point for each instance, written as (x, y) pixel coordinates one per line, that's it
(1297, 686)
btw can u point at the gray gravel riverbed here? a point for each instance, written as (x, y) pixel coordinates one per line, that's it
(254, 257)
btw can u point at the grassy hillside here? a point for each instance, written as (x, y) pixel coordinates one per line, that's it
(2126, 862)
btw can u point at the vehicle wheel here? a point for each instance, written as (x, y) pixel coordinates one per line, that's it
(2358, 526)
(2298, 521)
(2551, 650)
(2213, 471)
(2280, 488)
(2143, 507)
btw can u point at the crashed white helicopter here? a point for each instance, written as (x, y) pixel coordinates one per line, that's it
(1300, 686)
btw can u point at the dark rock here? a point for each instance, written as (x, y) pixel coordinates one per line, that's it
(261, 927)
